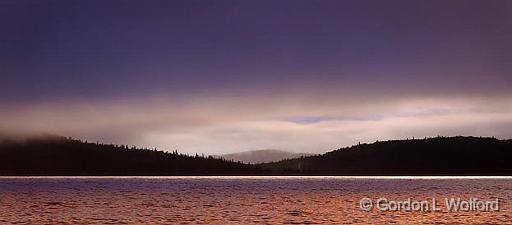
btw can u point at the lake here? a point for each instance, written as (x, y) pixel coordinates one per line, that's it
(248, 200)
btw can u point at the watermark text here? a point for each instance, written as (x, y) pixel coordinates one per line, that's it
(431, 205)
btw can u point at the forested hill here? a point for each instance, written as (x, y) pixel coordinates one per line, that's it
(432, 156)
(65, 156)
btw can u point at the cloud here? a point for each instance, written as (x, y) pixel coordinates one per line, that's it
(221, 125)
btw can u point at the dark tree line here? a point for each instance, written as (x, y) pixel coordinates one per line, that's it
(429, 156)
(66, 156)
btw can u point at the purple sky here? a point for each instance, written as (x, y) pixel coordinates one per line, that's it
(225, 76)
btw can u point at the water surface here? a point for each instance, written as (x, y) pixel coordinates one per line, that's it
(241, 200)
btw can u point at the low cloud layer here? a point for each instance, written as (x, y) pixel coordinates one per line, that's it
(222, 125)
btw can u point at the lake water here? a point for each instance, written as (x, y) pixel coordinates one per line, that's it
(243, 200)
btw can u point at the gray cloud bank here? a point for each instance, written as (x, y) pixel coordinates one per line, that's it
(216, 125)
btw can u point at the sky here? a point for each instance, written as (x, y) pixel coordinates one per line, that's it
(223, 76)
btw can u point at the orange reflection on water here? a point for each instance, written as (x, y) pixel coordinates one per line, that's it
(239, 201)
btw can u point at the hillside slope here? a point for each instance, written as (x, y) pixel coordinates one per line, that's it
(432, 156)
(64, 156)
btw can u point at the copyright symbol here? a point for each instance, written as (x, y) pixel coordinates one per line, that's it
(366, 204)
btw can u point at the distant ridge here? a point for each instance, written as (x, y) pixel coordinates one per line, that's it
(54, 155)
(429, 156)
(261, 156)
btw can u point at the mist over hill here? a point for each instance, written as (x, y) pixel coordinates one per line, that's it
(54, 155)
(261, 156)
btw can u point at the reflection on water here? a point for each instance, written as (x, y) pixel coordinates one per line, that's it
(240, 200)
